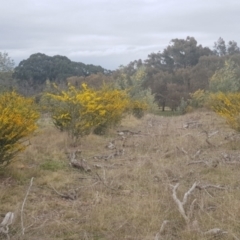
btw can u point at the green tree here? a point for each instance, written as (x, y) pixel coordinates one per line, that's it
(180, 53)
(160, 82)
(233, 48)
(201, 73)
(220, 48)
(31, 74)
(6, 72)
(184, 52)
(134, 84)
(169, 73)
(226, 79)
(6, 63)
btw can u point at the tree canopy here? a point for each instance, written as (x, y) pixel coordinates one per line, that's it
(39, 67)
(6, 71)
(170, 75)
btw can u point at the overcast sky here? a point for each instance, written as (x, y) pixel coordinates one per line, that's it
(111, 33)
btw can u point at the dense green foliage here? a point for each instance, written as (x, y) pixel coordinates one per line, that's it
(226, 79)
(134, 84)
(6, 72)
(223, 95)
(33, 72)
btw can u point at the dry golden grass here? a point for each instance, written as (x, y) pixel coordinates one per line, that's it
(128, 192)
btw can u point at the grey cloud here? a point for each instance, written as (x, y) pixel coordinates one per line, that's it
(111, 32)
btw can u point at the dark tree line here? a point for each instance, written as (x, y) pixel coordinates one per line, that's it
(31, 74)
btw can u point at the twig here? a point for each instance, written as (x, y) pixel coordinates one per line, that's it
(197, 162)
(162, 230)
(188, 193)
(66, 196)
(103, 182)
(192, 124)
(212, 134)
(197, 153)
(235, 237)
(190, 214)
(182, 150)
(208, 136)
(24, 201)
(210, 186)
(215, 231)
(210, 143)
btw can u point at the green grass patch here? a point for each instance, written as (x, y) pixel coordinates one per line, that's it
(52, 165)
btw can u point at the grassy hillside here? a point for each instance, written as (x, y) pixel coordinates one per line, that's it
(125, 186)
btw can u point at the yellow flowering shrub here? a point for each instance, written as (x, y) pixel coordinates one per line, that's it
(80, 111)
(198, 98)
(138, 108)
(227, 105)
(17, 121)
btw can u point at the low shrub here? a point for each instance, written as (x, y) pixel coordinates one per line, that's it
(81, 111)
(17, 121)
(227, 105)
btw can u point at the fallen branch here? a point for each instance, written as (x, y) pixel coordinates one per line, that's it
(111, 145)
(210, 186)
(24, 201)
(214, 231)
(127, 132)
(105, 157)
(103, 182)
(212, 164)
(192, 225)
(192, 124)
(212, 134)
(162, 230)
(8, 219)
(71, 196)
(181, 204)
(82, 165)
(182, 150)
(209, 136)
(197, 153)
(212, 145)
(198, 162)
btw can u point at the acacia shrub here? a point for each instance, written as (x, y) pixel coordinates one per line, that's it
(17, 121)
(81, 111)
(227, 105)
(199, 98)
